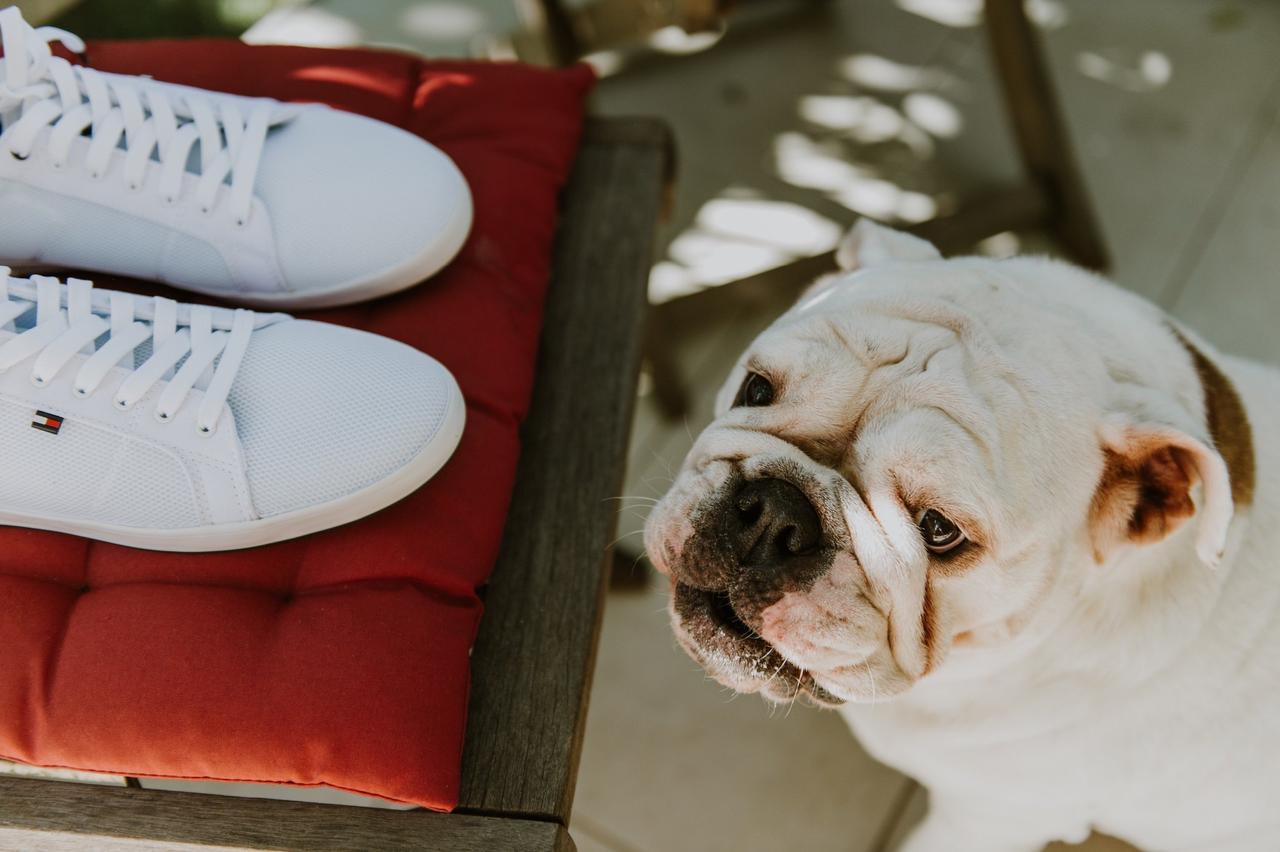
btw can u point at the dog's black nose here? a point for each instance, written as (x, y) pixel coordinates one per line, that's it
(772, 522)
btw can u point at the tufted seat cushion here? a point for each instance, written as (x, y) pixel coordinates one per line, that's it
(340, 659)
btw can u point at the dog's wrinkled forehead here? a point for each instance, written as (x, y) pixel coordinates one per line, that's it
(908, 327)
(952, 364)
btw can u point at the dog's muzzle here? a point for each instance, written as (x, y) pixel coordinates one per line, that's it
(753, 541)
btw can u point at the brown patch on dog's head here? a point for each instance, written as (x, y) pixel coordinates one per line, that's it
(1144, 493)
(1228, 424)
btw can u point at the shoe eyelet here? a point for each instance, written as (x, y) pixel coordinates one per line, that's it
(39, 381)
(169, 200)
(134, 186)
(56, 166)
(80, 392)
(122, 404)
(206, 209)
(242, 221)
(163, 416)
(204, 431)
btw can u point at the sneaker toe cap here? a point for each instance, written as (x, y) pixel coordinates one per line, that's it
(359, 204)
(324, 412)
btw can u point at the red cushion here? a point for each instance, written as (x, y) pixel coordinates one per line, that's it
(342, 658)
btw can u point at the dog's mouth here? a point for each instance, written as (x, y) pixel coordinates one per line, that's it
(726, 616)
(715, 634)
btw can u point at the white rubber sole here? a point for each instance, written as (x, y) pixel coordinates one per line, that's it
(283, 527)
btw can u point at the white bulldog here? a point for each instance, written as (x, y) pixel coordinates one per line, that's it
(1021, 527)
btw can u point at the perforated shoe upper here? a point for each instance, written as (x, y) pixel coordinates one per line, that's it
(158, 424)
(323, 411)
(353, 199)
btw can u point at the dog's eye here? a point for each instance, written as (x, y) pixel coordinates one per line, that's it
(940, 534)
(756, 391)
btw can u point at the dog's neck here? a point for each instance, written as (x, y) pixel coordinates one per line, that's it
(1132, 599)
(1097, 628)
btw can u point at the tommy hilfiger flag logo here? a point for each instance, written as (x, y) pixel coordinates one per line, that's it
(47, 422)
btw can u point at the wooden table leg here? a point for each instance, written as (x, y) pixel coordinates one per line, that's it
(1041, 133)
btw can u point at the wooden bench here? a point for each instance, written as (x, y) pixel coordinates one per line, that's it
(533, 658)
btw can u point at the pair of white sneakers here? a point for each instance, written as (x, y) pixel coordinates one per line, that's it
(155, 424)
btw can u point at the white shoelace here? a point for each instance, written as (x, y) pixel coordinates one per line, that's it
(71, 318)
(41, 90)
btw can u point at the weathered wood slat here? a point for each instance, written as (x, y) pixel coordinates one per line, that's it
(533, 657)
(43, 816)
(1043, 140)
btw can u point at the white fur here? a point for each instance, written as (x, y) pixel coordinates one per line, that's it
(1137, 697)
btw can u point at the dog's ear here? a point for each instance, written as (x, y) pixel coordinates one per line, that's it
(1145, 491)
(868, 244)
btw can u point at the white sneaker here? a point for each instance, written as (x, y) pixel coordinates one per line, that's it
(155, 424)
(248, 199)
